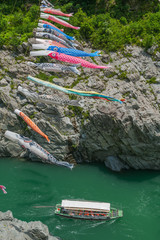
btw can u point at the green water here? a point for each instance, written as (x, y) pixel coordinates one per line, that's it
(136, 192)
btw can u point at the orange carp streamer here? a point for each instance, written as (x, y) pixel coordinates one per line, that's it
(31, 124)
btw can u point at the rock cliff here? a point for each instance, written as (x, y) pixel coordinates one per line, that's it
(120, 135)
(14, 229)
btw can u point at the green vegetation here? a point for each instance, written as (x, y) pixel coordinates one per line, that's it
(109, 25)
(75, 111)
(79, 112)
(111, 75)
(32, 115)
(17, 22)
(126, 94)
(12, 85)
(124, 10)
(20, 58)
(106, 24)
(123, 75)
(110, 34)
(152, 80)
(72, 97)
(45, 77)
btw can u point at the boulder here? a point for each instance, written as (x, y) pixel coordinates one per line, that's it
(14, 229)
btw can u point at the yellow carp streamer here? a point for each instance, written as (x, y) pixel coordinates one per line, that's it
(73, 91)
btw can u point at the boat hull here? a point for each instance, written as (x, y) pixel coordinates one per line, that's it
(88, 215)
(85, 218)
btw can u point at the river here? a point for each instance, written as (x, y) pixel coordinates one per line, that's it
(137, 193)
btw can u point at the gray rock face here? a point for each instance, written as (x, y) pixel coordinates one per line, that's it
(14, 229)
(120, 135)
(115, 164)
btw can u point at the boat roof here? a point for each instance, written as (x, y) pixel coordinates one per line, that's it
(85, 204)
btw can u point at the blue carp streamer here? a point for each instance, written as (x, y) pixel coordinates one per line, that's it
(53, 32)
(49, 26)
(73, 52)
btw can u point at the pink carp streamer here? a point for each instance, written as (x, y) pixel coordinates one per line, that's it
(74, 60)
(3, 189)
(56, 12)
(57, 20)
(45, 22)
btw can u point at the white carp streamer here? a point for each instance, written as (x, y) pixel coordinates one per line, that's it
(35, 149)
(52, 37)
(47, 98)
(54, 32)
(3, 189)
(46, 3)
(55, 67)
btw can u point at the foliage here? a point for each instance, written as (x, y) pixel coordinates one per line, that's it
(152, 80)
(46, 77)
(106, 24)
(17, 27)
(111, 34)
(128, 9)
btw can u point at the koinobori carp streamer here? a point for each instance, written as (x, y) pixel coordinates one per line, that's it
(52, 37)
(57, 20)
(53, 32)
(47, 3)
(71, 51)
(42, 42)
(3, 189)
(63, 18)
(56, 31)
(55, 12)
(31, 124)
(47, 98)
(91, 94)
(58, 16)
(49, 23)
(67, 58)
(35, 149)
(55, 67)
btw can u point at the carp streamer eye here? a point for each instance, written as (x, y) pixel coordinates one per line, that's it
(46, 35)
(66, 70)
(55, 49)
(53, 54)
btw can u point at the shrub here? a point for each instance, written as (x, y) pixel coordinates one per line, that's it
(16, 27)
(107, 25)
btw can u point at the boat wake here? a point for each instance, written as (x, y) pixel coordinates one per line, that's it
(93, 225)
(111, 221)
(80, 225)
